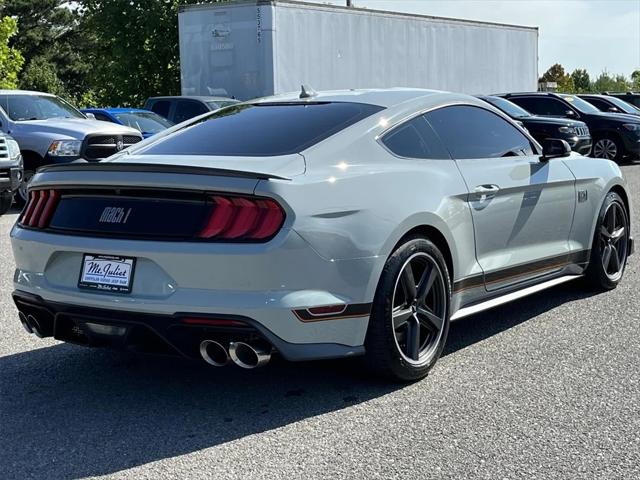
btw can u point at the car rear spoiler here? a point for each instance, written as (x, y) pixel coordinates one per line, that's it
(156, 168)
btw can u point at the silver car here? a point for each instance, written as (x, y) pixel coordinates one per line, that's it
(315, 225)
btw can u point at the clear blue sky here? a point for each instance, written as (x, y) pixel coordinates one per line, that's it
(591, 34)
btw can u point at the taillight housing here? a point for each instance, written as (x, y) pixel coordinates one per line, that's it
(40, 208)
(238, 218)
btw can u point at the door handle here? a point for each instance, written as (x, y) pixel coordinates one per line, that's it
(487, 189)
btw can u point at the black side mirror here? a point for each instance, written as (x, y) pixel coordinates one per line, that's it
(613, 110)
(554, 148)
(570, 113)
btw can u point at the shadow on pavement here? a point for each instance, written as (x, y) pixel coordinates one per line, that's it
(69, 412)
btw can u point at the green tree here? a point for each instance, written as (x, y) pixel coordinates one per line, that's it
(556, 73)
(136, 51)
(581, 80)
(635, 80)
(10, 58)
(54, 46)
(606, 83)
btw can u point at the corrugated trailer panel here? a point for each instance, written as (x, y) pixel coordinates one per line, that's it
(338, 48)
(252, 49)
(227, 50)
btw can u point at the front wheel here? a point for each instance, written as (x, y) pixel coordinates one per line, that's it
(410, 316)
(609, 148)
(22, 195)
(610, 246)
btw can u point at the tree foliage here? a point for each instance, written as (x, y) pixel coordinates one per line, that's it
(10, 58)
(54, 46)
(581, 80)
(557, 74)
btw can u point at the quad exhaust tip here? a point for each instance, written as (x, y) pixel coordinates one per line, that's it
(214, 353)
(249, 356)
(30, 324)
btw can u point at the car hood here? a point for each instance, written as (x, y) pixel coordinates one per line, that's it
(552, 120)
(75, 127)
(285, 166)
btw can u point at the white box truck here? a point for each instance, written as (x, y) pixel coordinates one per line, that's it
(248, 49)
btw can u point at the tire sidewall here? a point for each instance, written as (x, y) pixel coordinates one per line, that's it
(381, 317)
(596, 269)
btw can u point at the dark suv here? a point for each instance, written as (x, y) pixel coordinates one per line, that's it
(630, 97)
(574, 132)
(614, 134)
(607, 103)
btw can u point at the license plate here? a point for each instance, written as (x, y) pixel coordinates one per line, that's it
(107, 273)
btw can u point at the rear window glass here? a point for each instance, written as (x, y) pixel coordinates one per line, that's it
(266, 129)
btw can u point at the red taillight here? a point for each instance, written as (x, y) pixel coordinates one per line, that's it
(42, 199)
(243, 218)
(40, 208)
(326, 310)
(49, 208)
(28, 211)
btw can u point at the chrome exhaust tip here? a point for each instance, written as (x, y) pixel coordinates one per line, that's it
(23, 320)
(214, 353)
(35, 326)
(249, 356)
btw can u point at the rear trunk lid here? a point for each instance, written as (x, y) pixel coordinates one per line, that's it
(157, 198)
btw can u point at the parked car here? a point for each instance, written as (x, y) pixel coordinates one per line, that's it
(146, 122)
(10, 171)
(607, 103)
(614, 135)
(574, 132)
(385, 222)
(50, 130)
(179, 109)
(630, 97)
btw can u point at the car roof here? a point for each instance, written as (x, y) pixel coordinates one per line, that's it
(202, 98)
(25, 92)
(387, 97)
(596, 95)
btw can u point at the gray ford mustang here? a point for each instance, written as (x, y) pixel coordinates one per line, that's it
(314, 225)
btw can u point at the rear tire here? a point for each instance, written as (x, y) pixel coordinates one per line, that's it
(6, 200)
(609, 250)
(410, 316)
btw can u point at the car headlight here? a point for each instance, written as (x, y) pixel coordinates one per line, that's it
(65, 148)
(632, 127)
(13, 148)
(569, 130)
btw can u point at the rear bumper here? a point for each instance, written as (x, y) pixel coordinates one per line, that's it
(160, 334)
(264, 283)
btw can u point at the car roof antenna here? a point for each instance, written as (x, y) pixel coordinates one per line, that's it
(307, 92)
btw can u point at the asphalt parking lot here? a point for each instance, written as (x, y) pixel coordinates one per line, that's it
(548, 387)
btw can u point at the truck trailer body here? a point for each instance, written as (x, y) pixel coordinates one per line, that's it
(250, 49)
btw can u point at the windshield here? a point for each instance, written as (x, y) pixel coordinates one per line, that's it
(220, 104)
(36, 107)
(145, 122)
(579, 104)
(624, 106)
(264, 129)
(511, 109)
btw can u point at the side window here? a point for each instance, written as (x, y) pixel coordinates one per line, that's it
(542, 106)
(415, 139)
(162, 107)
(473, 132)
(187, 109)
(599, 104)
